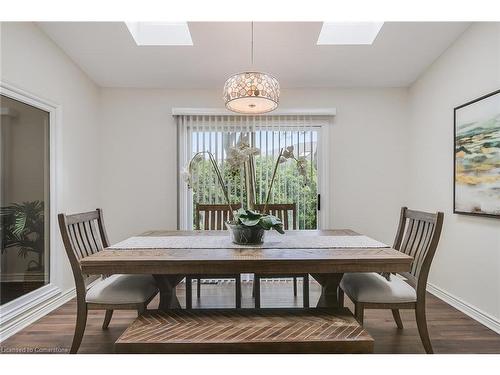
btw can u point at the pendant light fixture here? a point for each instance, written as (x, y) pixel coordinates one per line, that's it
(251, 92)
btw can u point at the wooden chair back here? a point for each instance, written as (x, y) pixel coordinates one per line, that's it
(213, 216)
(418, 236)
(286, 212)
(83, 234)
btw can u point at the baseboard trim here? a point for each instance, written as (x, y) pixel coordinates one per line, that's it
(469, 310)
(24, 319)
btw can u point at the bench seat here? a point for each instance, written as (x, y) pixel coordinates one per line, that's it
(245, 331)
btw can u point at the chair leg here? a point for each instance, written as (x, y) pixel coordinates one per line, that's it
(422, 328)
(238, 292)
(305, 291)
(341, 297)
(189, 293)
(397, 318)
(198, 288)
(107, 319)
(256, 281)
(295, 287)
(81, 322)
(254, 285)
(359, 312)
(141, 309)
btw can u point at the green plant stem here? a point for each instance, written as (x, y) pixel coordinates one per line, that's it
(272, 180)
(221, 182)
(249, 171)
(219, 176)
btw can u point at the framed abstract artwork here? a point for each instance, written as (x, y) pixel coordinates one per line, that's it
(477, 157)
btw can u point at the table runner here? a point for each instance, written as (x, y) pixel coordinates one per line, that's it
(272, 241)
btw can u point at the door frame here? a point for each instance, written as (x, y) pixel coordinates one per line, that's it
(12, 312)
(323, 182)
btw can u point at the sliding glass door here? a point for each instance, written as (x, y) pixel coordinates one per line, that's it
(24, 198)
(270, 134)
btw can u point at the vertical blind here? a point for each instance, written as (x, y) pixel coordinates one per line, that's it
(268, 133)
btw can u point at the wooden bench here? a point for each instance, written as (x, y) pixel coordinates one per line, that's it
(245, 331)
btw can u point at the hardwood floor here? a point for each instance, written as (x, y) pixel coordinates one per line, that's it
(450, 330)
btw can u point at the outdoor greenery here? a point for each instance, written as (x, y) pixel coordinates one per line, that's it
(22, 228)
(288, 187)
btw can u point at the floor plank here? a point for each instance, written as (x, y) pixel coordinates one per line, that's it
(451, 331)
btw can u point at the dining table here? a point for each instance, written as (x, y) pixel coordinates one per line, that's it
(171, 255)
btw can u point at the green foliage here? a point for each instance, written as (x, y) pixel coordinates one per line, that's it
(252, 218)
(288, 187)
(23, 228)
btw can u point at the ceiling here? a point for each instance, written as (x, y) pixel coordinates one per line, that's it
(108, 54)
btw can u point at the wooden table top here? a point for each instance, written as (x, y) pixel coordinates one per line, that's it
(252, 260)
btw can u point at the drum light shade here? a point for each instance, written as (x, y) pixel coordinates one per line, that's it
(251, 93)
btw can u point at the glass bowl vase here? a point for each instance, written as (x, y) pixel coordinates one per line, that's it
(243, 235)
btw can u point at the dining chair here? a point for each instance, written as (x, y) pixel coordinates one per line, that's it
(213, 217)
(283, 211)
(418, 236)
(84, 234)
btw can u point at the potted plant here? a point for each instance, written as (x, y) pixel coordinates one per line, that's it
(247, 225)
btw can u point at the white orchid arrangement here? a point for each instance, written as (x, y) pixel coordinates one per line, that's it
(241, 158)
(301, 161)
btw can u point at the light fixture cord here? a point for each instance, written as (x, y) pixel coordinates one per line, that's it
(252, 45)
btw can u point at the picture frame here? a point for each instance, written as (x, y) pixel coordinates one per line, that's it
(476, 157)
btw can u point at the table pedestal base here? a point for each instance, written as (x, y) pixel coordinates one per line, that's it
(166, 285)
(329, 289)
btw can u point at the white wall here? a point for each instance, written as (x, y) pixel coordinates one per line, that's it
(32, 62)
(467, 262)
(367, 148)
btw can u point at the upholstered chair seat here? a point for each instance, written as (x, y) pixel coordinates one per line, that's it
(374, 288)
(122, 289)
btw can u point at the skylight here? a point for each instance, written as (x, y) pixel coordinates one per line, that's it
(160, 33)
(349, 33)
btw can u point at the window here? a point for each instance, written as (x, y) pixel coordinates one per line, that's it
(24, 199)
(160, 33)
(349, 33)
(268, 133)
